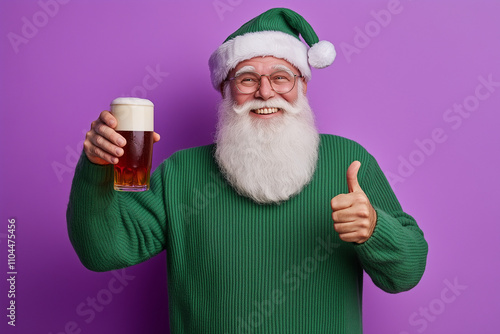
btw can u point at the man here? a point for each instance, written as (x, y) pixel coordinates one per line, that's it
(269, 229)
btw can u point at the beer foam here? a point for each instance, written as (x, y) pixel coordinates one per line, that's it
(133, 114)
(132, 100)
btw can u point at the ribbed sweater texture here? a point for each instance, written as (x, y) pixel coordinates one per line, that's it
(235, 266)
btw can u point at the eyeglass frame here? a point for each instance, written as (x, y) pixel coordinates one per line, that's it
(295, 76)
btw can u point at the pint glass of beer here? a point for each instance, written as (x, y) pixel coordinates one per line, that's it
(135, 124)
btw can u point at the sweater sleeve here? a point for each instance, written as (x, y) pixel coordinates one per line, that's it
(395, 255)
(110, 229)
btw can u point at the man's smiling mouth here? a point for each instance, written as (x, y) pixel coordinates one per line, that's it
(266, 111)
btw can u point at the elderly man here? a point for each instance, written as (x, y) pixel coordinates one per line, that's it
(269, 229)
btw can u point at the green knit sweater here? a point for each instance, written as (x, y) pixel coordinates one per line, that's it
(235, 266)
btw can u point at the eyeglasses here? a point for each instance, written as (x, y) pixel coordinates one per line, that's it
(281, 81)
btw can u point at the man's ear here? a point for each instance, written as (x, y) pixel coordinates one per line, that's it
(304, 85)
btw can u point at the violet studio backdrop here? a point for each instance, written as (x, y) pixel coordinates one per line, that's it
(415, 82)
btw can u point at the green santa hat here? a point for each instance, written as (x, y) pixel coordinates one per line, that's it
(273, 33)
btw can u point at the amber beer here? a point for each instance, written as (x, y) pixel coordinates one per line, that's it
(135, 124)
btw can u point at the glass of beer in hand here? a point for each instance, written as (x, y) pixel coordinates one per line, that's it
(135, 124)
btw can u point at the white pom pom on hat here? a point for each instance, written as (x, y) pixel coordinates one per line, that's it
(275, 32)
(321, 54)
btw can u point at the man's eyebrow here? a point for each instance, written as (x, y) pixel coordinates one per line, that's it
(245, 69)
(283, 68)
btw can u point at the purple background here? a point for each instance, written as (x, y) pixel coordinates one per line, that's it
(389, 95)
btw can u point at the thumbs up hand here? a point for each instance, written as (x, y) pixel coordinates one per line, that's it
(353, 216)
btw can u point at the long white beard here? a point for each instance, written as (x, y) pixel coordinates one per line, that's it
(268, 160)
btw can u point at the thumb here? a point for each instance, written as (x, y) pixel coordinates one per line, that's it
(156, 137)
(352, 177)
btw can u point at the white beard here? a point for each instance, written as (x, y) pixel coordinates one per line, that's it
(267, 160)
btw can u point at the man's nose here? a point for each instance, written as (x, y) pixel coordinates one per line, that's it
(265, 90)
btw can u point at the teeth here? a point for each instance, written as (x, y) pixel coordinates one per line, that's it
(265, 111)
